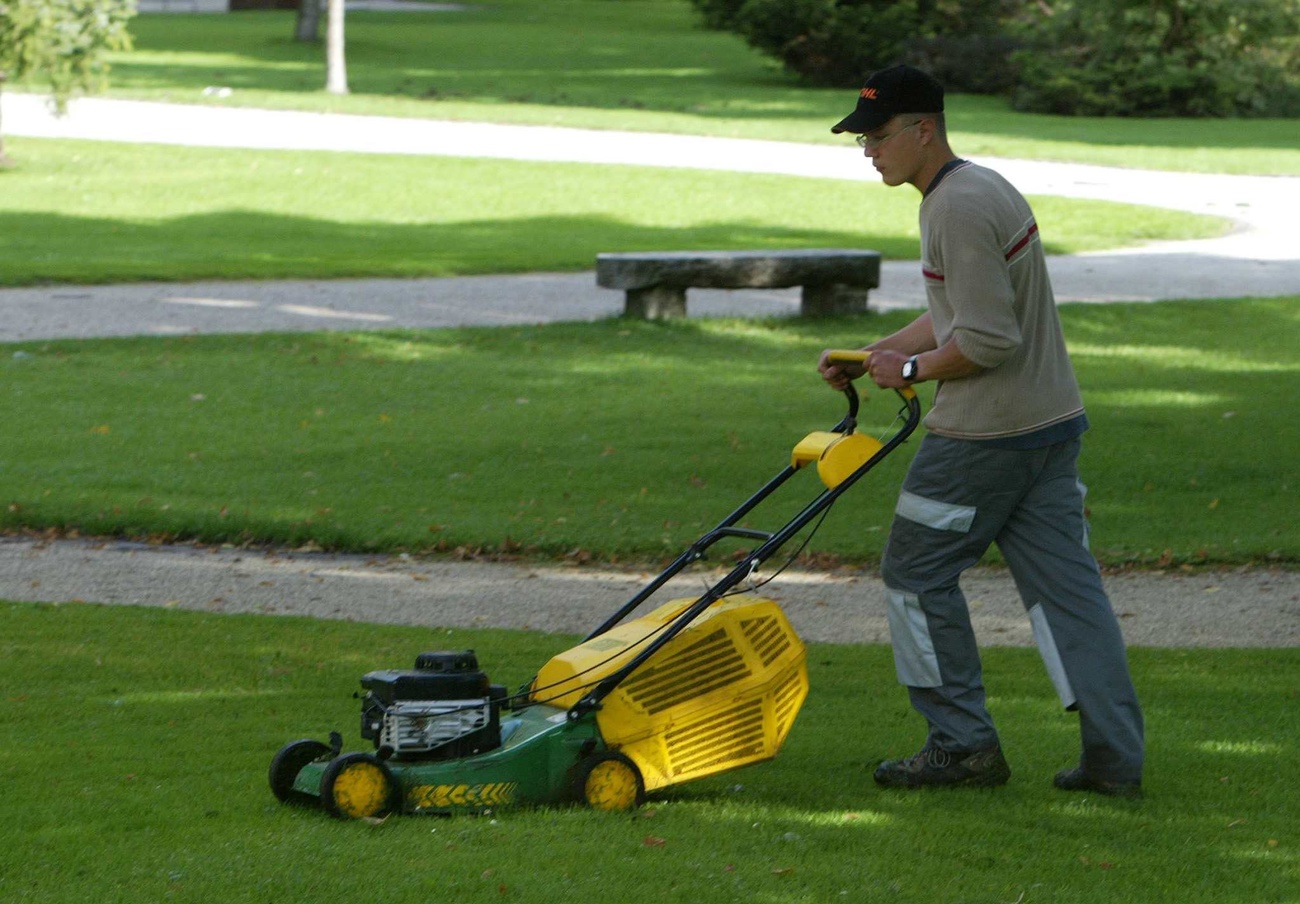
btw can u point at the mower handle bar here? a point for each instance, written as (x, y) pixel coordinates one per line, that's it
(770, 542)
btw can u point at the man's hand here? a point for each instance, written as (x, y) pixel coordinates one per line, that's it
(886, 368)
(840, 374)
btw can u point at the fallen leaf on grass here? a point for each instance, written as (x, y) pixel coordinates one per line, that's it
(654, 841)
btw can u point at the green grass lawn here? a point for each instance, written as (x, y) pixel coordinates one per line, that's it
(88, 212)
(621, 439)
(134, 743)
(644, 65)
(134, 746)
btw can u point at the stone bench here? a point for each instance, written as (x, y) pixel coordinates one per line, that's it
(834, 280)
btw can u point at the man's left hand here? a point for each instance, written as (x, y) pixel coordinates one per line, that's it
(886, 368)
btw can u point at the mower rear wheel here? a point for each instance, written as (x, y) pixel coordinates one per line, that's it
(610, 781)
(286, 765)
(356, 786)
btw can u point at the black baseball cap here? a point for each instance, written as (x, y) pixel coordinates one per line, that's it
(889, 92)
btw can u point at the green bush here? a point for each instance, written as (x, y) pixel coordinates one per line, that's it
(828, 43)
(836, 43)
(980, 63)
(1163, 58)
(718, 14)
(1072, 57)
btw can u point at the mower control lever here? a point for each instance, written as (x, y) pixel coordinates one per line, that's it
(848, 356)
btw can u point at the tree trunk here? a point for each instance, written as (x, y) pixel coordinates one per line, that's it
(336, 70)
(307, 27)
(4, 161)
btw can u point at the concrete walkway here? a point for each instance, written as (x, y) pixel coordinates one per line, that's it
(1260, 257)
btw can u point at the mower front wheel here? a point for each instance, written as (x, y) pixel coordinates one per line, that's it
(286, 765)
(610, 781)
(356, 786)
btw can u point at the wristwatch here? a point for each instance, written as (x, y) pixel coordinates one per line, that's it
(910, 368)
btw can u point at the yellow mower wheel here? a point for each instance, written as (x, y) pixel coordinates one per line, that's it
(610, 781)
(356, 786)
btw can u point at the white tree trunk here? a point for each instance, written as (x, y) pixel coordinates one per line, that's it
(336, 69)
(4, 161)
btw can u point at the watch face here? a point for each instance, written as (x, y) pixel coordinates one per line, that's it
(909, 369)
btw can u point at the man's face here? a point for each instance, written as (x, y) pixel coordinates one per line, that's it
(894, 149)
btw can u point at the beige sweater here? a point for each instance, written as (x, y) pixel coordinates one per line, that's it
(987, 286)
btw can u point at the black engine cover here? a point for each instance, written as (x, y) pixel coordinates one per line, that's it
(438, 676)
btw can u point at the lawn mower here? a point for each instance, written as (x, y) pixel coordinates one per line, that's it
(699, 686)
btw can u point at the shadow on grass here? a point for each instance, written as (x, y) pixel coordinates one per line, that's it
(252, 245)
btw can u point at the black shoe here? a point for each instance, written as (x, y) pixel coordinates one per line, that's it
(1077, 780)
(934, 766)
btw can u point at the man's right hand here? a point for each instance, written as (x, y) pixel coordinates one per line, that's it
(839, 374)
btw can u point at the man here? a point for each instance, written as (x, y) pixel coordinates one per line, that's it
(998, 463)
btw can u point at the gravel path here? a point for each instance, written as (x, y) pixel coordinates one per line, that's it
(1241, 608)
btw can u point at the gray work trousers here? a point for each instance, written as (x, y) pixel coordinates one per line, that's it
(959, 497)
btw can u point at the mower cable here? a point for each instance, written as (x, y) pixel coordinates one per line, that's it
(898, 416)
(788, 562)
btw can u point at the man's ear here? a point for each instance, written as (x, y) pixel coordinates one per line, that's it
(927, 127)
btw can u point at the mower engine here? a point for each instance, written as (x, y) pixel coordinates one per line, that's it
(443, 709)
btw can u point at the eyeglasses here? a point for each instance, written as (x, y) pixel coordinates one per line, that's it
(866, 142)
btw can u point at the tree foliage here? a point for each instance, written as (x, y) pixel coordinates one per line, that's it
(1082, 57)
(62, 42)
(835, 43)
(1163, 58)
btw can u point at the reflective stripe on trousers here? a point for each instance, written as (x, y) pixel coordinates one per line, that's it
(915, 660)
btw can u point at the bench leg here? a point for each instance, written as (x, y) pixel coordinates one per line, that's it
(655, 303)
(836, 298)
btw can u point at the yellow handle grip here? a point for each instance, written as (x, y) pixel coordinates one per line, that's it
(860, 356)
(848, 356)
